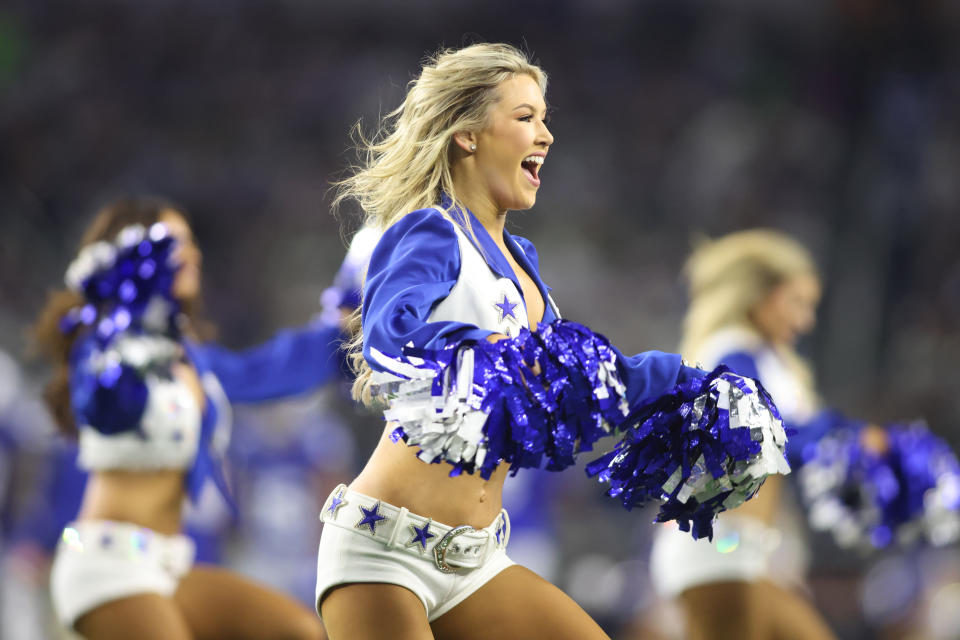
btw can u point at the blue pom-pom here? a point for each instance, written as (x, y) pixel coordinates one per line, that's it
(870, 498)
(109, 383)
(702, 448)
(127, 284)
(487, 406)
(111, 400)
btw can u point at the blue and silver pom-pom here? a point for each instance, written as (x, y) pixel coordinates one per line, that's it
(703, 448)
(125, 284)
(110, 385)
(869, 499)
(478, 405)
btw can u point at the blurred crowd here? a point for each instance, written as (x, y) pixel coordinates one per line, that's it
(835, 121)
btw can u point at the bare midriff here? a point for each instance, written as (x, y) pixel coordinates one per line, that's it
(396, 476)
(151, 499)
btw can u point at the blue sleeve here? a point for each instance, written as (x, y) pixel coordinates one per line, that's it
(651, 374)
(742, 362)
(413, 267)
(293, 361)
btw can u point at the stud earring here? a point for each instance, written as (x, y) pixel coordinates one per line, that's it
(473, 147)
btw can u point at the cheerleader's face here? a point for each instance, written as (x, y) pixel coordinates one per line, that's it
(789, 310)
(186, 285)
(511, 149)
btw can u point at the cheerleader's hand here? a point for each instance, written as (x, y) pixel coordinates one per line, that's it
(875, 440)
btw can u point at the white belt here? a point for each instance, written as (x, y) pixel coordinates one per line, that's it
(174, 553)
(450, 548)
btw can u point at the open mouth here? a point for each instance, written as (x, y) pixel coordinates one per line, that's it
(531, 168)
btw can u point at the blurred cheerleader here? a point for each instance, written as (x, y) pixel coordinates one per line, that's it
(149, 404)
(752, 295)
(461, 339)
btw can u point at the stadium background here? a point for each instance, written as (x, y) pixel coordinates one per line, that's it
(836, 121)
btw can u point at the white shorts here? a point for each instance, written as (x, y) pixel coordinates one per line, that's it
(365, 540)
(98, 561)
(740, 551)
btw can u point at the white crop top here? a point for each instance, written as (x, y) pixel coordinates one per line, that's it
(168, 433)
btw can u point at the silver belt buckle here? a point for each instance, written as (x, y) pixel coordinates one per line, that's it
(440, 549)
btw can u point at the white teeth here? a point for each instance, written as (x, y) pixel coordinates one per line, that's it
(534, 159)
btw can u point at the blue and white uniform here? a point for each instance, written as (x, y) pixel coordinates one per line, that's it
(135, 415)
(172, 433)
(438, 282)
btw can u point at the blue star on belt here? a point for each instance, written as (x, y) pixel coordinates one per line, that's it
(420, 536)
(370, 518)
(506, 308)
(336, 501)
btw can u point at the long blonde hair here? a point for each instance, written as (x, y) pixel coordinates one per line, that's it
(407, 164)
(729, 276)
